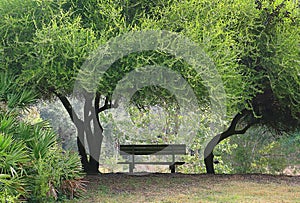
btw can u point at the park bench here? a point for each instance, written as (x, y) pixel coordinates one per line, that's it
(157, 149)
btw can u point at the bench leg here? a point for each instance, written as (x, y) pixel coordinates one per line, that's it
(130, 168)
(172, 168)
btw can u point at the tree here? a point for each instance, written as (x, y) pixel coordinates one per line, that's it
(274, 62)
(46, 42)
(256, 45)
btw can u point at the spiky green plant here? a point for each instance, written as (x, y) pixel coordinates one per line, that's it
(32, 165)
(13, 160)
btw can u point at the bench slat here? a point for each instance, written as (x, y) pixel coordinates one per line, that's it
(152, 149)
(154, 163)
(153, 146)
(163, 152)
(147, 149)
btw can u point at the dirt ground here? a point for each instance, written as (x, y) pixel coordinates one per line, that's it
(116, 180)
(161, 187)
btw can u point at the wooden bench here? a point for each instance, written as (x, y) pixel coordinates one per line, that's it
(158, 149)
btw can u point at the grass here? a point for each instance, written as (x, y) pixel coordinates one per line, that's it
(122, 188)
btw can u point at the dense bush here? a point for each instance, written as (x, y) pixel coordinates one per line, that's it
(259, 151)
(33, 167)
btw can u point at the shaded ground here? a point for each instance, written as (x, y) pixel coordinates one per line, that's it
(192, 188)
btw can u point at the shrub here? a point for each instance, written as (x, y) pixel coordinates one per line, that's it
(261, 151)
(33, 167)
(13, 157)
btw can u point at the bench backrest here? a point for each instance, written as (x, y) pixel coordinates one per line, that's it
(160, 149)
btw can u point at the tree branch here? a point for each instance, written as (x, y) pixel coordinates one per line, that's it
(236, 119)
(107, 105)
(66, 103)
(104, 107)
(96, 108)
(243, 131)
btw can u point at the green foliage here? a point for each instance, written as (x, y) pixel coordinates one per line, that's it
(11, 96)
(290, 147)
(57, 37)
(105, 17)
(259, 151)
(51, 175)
(13, 158)
(242, 43)
(19, 21)
(37, 158)
(215, 32)
(60, 48)
(11, 188)
(32, 166)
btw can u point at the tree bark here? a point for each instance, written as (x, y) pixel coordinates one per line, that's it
(90, 165)
(94, 135)
(98, 134)
(81, 146)
(90, 127)
(208, 152)
(80, 130)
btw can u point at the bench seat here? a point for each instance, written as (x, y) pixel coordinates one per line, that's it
(158, 149)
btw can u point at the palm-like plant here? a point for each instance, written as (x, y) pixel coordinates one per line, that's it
(31, 163)
(12, 96)
(13, 160)
(13, 155)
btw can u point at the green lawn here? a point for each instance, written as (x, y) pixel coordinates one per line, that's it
(122, 188)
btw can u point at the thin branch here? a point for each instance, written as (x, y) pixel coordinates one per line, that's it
(96, 108)
(232, 128)
(243, 131)
(107, 105)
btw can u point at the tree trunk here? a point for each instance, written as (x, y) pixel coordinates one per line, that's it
(81, 147)
(208, 152)
(94, 137)
(98, 134)
(209, 164)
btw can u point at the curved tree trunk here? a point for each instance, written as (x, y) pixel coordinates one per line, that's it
(209, 156)
(208, 152)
